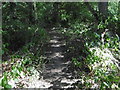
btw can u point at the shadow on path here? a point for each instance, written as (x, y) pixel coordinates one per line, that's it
(55, 70)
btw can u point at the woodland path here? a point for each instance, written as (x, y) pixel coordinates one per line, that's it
(56, 73)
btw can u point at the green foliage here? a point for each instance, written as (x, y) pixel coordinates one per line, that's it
(103, 69)
(24, 33)
(76, 62)
(4, 82)
(102, 76)
(21, 66)
(91, 59)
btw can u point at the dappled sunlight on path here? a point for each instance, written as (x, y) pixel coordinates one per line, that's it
(54, 71)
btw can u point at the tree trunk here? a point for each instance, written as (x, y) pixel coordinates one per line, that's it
(118, 25)
(30, 12)
(35, 12)
(103, 10)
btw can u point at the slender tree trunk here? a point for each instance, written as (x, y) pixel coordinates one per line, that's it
(35, 12)
(118, 25)
(30, 12)
(103, 10)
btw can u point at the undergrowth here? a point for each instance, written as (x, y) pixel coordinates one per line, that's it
(100, 53)
(25, 61)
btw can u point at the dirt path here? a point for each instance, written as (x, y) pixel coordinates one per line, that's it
(56, 70)
(56, 73)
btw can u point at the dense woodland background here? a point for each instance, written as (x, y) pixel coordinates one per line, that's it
(91, 31)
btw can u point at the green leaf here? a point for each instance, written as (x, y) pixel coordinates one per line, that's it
(8, 86)
(4, 81)
(111, 78)
(105, 84)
